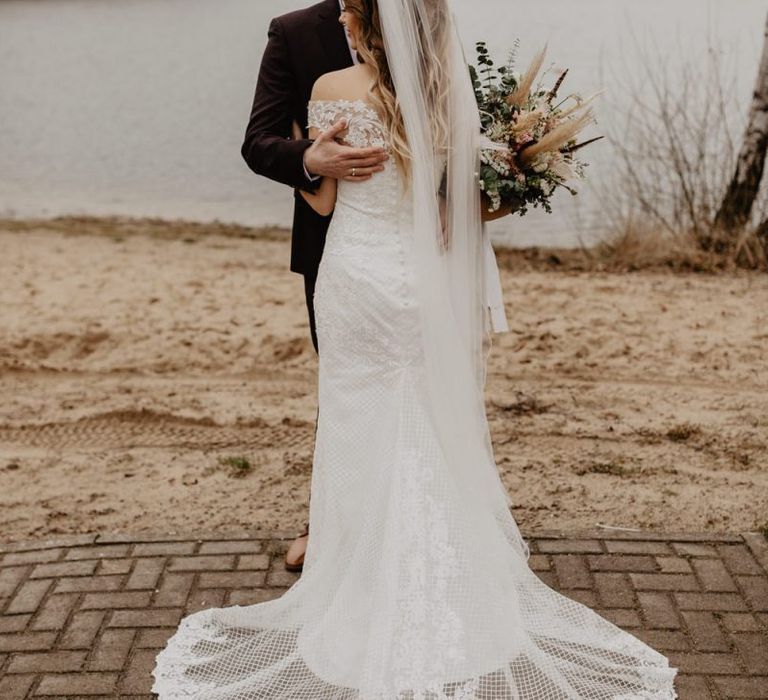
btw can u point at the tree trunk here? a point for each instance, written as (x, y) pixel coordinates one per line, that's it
(736, 208)
(762, 236)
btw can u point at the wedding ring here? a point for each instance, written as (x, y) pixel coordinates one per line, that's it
(354, 170)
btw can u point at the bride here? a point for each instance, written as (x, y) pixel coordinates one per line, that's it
(415, 584)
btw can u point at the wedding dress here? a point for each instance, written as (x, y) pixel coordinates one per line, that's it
(409, 590)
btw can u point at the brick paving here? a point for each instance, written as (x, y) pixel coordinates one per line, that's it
(84, 616)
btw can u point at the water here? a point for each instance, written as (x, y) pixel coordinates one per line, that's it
(138, 107)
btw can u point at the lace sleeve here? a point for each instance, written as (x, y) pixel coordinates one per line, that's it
(323, 114)
(365, 127)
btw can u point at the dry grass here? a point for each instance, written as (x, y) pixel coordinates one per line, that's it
(120, 227)
(612, 468)
(636, 250)
(523, 405)
(638, 247)
(683, 432)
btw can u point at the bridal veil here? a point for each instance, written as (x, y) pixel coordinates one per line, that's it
(437, 102)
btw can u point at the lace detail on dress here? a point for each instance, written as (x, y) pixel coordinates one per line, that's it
(355, 319)
(376, 209)
(173, 672)
(365, 126)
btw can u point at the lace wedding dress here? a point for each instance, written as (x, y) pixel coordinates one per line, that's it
(407, 593)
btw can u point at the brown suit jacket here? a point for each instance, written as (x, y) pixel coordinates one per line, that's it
(302, 46)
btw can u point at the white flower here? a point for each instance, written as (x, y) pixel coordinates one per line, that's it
(563, 170)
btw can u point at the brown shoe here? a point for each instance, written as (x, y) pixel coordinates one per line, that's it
(294, 557)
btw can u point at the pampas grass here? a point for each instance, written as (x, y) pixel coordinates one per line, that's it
(574, 119)
(520, 96)
(556, 139)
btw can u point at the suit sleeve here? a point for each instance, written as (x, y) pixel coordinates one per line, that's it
(268, 148)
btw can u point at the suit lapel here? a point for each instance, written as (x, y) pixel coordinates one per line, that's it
(331, 35)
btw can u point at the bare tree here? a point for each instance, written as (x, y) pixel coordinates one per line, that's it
(736, 208)
(676, 154)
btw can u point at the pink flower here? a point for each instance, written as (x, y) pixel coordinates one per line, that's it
(525, 137)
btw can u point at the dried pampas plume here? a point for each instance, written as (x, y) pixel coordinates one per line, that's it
(519, 96)
(579, 104)
(557, 138)
(526, 121)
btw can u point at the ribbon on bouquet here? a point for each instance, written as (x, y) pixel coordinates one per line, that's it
(494, 296)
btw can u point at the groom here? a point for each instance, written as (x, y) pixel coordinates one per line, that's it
(302, 46)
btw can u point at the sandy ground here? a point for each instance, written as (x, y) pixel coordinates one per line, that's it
(135, 357)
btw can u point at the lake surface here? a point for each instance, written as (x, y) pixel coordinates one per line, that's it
(138, 107)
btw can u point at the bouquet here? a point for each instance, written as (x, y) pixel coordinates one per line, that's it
(529, 139)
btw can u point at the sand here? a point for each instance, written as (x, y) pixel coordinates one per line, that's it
(137, 356)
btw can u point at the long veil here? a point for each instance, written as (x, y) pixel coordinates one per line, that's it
(447, 249)
(540, 644)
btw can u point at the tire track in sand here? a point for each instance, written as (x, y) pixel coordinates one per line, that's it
(147, 428)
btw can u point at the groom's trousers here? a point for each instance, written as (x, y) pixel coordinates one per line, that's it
(309, 293)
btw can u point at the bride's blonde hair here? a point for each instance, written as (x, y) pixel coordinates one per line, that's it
(433, 40)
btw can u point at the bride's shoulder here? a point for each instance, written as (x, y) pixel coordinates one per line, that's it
(343, 94)
(345, 84)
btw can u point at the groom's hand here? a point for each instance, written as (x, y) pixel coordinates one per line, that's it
(329, 158)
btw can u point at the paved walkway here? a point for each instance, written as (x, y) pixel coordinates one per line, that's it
(84, 616)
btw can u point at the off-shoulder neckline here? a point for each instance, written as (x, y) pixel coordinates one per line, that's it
(365, 103)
